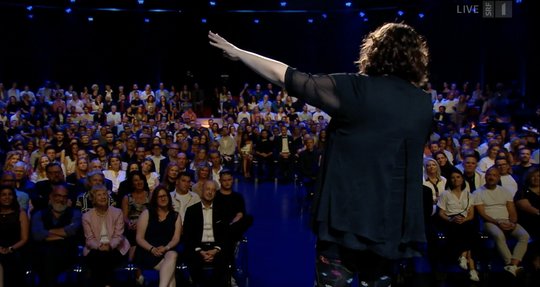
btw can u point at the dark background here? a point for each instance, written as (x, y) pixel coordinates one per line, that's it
(118, 47)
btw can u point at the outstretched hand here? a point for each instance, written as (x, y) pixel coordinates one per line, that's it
(229, 50)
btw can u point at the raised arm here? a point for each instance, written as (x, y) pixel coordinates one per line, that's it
(272, 70)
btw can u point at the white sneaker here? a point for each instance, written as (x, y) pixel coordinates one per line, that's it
(513, 269)
(463, 262)
(473, 275)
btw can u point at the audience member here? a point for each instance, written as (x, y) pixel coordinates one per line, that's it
(496, 206)
(456, 209)
(14, 232)
(182, 196)
(105, 244)
(205, 237)
(54, 232)
(158, 232)
(528, 208)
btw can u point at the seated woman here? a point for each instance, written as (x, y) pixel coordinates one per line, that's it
(114, 172)
(39, 173)
(104, 232)
(133, 204)
(204, 173)
(170, 176)
(14, 232)
(456, 208)
(149, 170)
(528, 208)
(246, 153)
(158, 232)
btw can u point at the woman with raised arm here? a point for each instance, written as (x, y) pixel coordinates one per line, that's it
(368, 206)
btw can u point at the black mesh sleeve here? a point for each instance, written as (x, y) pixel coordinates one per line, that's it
(317, 90)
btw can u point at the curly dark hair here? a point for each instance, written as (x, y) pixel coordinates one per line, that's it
(395, 49)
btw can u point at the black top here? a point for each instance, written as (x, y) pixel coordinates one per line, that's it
(10, 229)
(158, 233)
(370, 189)
(231, 204)
(530, 222)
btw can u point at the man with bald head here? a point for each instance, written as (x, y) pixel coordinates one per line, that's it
(496, 206)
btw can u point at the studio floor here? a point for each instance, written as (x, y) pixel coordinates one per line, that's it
(281, 247)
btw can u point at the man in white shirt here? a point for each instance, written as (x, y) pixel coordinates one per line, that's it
(182, 196)
(496, 206)
(227, 147)
(507, 181)
(113, 117)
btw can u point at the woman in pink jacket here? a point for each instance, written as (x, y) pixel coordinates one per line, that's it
(104, 232)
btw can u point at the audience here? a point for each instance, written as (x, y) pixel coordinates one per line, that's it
(47, 143)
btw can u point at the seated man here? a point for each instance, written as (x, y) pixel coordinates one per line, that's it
(54, 231)
(496, 206)
(234, 208)
(205, 238)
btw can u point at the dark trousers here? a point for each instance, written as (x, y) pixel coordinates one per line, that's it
(14, 265)
(102, 265)
(213, 274)
(336, 267)
(51, 259)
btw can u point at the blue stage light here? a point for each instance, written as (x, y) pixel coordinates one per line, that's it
(212, 3)
(29, 8)
(146, 20)
(421, 15)
(310, 20)
(283, 4)
(256, 21)
(141, 2)
(203, 20)
(90, 19)
(400, 13)
(68, 10)
(348, 4)
(362, 14)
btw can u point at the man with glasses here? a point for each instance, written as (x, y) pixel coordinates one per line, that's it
(54, 231)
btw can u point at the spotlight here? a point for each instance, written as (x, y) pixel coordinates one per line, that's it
(90, 19)
(146, 20)
(400, 13)
(212, 3)
(29, 8)
(348, 4)
(141, 2)
(362, 14)
(68, 10)
(203, 20)
(366, 19)
(421, 15)
(256, 21)
(310, 20)
(30, 16)
(324, 15)
(72, 1)
(283, 4)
